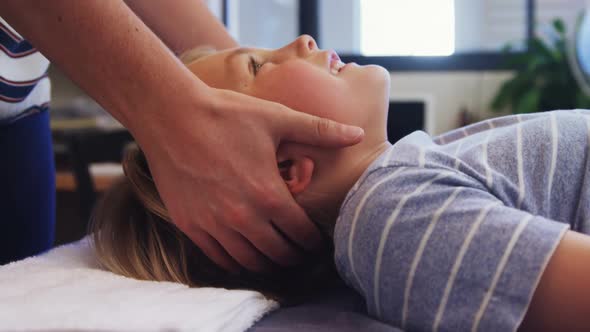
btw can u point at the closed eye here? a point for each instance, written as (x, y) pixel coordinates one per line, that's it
(254, 66)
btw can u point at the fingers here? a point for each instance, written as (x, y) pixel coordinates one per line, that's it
(292, 221)
(273, 244)
(296, 225)
(241, 249)
(233, 251)
(312, 130)
(212, 249)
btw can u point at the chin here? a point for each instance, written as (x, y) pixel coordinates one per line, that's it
(381, 73)
(372, 91)
(380, 81)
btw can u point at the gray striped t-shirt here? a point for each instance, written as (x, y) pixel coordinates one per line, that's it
(452, 233)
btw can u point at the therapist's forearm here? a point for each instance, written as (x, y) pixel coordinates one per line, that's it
(109, 52)
(562, 299)
(183, 24)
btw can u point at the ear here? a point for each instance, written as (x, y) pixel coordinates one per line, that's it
(297, 173)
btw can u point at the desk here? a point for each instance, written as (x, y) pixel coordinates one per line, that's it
(76, 152)
(103, 176)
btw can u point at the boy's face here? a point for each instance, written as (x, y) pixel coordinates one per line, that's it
(304, 78)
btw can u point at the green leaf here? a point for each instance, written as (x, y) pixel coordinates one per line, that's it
(559, 26)
(504, 96)
(529, 102)
(543, 79)
(507, 48)
(518, 60)
(538, 47)
(537, 64)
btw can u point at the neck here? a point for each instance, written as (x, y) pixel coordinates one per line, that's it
(336, 172)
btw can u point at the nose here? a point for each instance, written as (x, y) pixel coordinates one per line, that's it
(301, 47)
(305, 44)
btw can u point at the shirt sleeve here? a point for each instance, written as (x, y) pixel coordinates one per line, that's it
(432, 250)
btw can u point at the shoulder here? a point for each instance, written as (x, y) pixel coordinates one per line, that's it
(406, 229)
(402, 191)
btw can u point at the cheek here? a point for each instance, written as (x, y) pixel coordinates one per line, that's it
(303, 88)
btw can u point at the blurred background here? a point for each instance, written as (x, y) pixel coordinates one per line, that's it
(452, 62)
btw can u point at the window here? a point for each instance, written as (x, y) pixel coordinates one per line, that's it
(263, 23)
(401, 27)
(489, 25)
(584, 36)
(216, 7)
(421, 27)
(454, 34)
(567, 10)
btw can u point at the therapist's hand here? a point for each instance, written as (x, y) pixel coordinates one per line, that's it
(216, 171)
(211, 152)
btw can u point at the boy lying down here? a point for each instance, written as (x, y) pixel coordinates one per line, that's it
(465, 231)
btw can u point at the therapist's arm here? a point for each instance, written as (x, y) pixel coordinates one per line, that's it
(183, 24)
(562, 299)
(230, 203)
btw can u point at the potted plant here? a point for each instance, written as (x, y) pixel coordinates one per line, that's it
(543, 80)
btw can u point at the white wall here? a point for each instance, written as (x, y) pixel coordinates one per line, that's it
(448, 93)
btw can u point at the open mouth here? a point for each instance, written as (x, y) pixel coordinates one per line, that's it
(336, 64)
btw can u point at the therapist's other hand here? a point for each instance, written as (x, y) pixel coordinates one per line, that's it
(215, 168)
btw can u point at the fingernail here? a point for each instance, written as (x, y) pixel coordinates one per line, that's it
(354, 132)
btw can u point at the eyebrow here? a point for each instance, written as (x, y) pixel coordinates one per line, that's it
(232, 56)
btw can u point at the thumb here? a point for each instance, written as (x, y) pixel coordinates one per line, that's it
(312, 130)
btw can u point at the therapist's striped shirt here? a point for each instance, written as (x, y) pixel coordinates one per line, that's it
(24, 85)
(452, 233)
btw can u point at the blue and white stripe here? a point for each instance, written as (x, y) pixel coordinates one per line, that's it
(24, 85)
(441, 234)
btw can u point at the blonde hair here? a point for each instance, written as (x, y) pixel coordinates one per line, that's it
(196, 54)
(133, 236)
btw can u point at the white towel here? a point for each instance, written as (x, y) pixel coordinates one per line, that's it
(65, 289)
